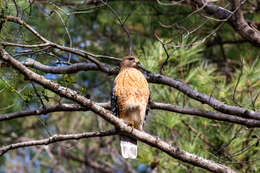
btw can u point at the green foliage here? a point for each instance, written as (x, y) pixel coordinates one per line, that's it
(227, 72)
(187, 65)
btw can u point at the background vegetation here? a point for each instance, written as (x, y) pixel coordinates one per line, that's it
(176, 39)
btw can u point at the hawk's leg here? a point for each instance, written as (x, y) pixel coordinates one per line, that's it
(131, 124)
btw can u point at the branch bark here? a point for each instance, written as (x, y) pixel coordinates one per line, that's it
(105, 114)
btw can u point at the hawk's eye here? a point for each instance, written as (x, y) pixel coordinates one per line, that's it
(131, 59)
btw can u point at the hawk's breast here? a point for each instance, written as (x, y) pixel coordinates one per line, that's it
(131, 90)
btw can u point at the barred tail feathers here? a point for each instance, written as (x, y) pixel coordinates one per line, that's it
(128, 147)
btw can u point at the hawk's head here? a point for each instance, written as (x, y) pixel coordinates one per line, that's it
(130, 61)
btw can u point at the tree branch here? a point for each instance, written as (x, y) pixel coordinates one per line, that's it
(207, 114)
(152, 77)
(22, 23)
(236, 21)
(46, 43)
(56, 138)
(48, 109)
(154, 105)
(105, 114)
(203, 98)
(161, 79)
(40, 111)
(73, 68)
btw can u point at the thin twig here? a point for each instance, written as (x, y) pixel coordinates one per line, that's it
(16, 8)
(229, 142)
(254, 101)
(238, 80)
(201, 136)
(12, 89)
(67, 31)
(38, 95)
(30, 52)
(237, 21)
(166, 52)
(46, 43)
(122, 25)
(172, 3)
(87, 10)
(44, 107)
(243, 149)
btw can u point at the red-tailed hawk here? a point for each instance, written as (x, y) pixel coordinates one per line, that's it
(130, 101)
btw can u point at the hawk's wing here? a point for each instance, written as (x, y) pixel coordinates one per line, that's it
(114, 106)
(128, 145)
(148, 106)
(148, 103)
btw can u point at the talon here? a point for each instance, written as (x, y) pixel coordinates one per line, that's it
(132, 125)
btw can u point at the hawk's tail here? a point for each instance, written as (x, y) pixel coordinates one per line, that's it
(128, 147)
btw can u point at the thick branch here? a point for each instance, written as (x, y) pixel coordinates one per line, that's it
(40, 111)
(105, 114)
(207, 114)
(203, 98)
(154, 105)
(73, 68)
(56, 138)
(161, 79)
(236, 21)
(46, 110)
(99, 66)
